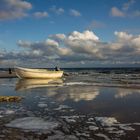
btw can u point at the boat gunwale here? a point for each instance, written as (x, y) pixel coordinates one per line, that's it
(37, 70)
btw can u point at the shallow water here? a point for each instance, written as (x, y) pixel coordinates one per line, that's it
(82, 105)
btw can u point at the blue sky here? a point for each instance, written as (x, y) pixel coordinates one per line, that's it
(33, 30)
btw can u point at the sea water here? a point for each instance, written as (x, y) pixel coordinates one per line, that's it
(84, 104)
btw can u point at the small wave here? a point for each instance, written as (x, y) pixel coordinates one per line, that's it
(77, 83)
(103, 84)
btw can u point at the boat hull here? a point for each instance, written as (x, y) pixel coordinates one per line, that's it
(25, 73)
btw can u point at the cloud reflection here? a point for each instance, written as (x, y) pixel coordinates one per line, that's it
(122, 93)
(74, 93)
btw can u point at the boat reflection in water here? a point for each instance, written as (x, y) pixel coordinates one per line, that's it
(24, 84)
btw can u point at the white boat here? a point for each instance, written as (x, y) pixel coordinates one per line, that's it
(23, 73)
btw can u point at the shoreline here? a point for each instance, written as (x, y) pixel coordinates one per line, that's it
(6, 74)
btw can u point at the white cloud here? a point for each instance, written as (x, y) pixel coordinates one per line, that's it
(50, 42)
(58, 11)
(126, 10)
(73, 44)
(12, 9)
(115, 12)
(86, 35)
(58, 36)
(37, 52)
(86, 46)
(75, 13)
(41, 14)
(77, 47)
(136, 42)
(123, 36)
(24, 43)
(127, 44)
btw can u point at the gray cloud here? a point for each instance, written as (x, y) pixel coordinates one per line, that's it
(128, 4)
(115, 12)
(12, 9)
(125, 10)
(78, 48)
(95, 24)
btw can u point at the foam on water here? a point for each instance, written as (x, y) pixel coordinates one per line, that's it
(109, 77)
(62, 107)
(90, 83)
(76, 83)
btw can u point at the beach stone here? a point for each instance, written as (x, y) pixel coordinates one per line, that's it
(82, 134)
(71, 137)
(56, 137)
(118, 132)
(42, 105)
(93, 128)
(92, 123)
(65, 129)
(103, 136)
(90, 119)
(126, 127)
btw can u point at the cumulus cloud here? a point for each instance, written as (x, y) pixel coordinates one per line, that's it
(79, 47)
(66, 47)
(12, 9)
(123, 36)
(41, 14)
(75, 13)
(24, 43)
(50, 42)
(86, 46)
(86, 35)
